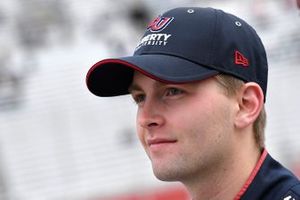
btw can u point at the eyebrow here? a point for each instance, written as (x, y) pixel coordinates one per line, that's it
(137, 87)
(134, 87)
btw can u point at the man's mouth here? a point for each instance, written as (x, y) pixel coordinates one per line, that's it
(160, 141)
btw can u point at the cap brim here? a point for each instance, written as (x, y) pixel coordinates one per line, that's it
(112, 77)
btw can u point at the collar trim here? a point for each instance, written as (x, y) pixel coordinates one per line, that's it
(252, 175)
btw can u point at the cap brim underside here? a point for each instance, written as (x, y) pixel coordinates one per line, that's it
(112, 77)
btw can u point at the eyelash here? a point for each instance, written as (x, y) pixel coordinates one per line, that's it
(173, 90)
(169, 92)
(139, 98)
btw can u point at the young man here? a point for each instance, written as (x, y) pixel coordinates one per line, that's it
(199, 78)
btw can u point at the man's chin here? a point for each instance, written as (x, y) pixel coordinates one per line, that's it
(166, 175)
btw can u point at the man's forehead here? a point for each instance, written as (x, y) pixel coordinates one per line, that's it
(139, 79)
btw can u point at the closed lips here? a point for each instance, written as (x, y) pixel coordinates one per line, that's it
(159, 141)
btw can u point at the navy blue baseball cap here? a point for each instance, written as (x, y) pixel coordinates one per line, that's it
(186, 45)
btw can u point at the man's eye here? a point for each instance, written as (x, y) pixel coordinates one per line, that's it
(173, 91)
(139, 98)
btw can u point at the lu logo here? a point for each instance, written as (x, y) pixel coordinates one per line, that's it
(159, 23)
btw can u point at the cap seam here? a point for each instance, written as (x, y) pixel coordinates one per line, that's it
(178, 56)
(213, 46)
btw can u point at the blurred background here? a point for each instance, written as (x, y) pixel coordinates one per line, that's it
(59, 142)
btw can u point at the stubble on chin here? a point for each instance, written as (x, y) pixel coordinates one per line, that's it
(166, 174)
(175, 170)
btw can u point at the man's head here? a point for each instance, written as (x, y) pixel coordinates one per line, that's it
(198, 75)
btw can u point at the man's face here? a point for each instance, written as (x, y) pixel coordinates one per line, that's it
(186, 129)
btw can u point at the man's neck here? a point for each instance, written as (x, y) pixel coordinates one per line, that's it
(226, 182)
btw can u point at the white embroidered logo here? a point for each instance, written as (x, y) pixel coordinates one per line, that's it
(289, 198)
(155, 39)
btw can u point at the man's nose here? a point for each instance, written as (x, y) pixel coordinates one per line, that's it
(150, 115)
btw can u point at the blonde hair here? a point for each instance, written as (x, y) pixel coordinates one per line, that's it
(231, 86)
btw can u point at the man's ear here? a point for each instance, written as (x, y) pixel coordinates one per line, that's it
(250, 100)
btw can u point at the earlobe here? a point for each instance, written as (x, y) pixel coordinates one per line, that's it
(250, 100)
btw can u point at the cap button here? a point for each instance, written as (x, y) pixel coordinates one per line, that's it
(238, 23)
(190, 11)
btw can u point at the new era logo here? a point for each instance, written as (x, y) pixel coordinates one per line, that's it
(240, 59)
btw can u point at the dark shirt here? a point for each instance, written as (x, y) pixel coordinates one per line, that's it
(270, 181)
